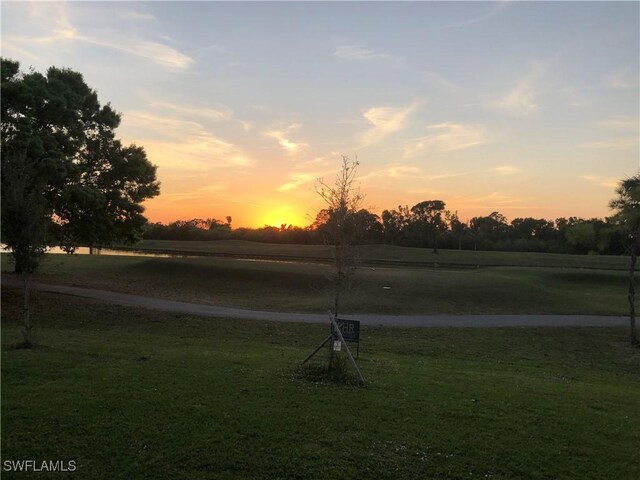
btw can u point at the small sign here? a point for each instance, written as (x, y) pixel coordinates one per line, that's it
(350, 329)
(337, 345)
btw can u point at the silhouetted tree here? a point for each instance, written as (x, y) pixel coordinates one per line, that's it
(59, 150)
(396, 225)
(458, 228)
(368, 227)
(627, 206)
(364, 225)
(343, 201)
(93, 186)
(582, 236)
(487, 231)
(429, 213)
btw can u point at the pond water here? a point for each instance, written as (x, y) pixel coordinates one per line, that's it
(142, 253)
(108, 251)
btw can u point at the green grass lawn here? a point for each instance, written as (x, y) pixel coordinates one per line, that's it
(390, 253)
(306, 288)
(137, 394)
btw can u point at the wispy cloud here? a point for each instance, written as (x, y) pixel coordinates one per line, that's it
(246, 126)
(615, 144)
(393, 171)
(10, 49)
(507, 170)
(407, 172)
(215, 114)
(621, 123)
(622, 78)
(494, 10)
(282, 135)
(607, 182)
(137, 15)
(308, 171)
(57, 27)
(627, 128)
(448, 137)
(318, 163)
(493, 200)
(385, 120)
(157, 52)
(161, 126)
(354, 52)
(178, 144)
(202, 154)
(574, 97)
(440, 80)
(296, 180)
(521, 100)
(200, 192)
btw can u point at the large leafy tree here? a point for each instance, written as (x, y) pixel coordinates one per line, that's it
(487, 231)
(64, 140)
(429, 213)
(66, 179)
(396, 224)
(458, 228)
(627, 206)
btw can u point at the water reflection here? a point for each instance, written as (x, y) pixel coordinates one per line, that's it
(267, 260)
(108, 251)
(142, 253)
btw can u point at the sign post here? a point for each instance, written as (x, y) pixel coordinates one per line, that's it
(350, 331)
(344, 330)
(346, 346)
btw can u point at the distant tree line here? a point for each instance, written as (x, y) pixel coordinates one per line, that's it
(427, 224)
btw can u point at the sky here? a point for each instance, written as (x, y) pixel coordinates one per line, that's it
(526, 108)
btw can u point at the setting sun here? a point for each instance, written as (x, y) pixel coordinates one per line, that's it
(243, 127)
(285, 215)
(222, 221)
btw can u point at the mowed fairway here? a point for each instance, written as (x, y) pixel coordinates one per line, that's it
(305, 287)
(142, 394)
(136, 394)
(176, 396)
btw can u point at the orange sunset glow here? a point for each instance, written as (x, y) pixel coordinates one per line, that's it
(304, 239)
(243, 109)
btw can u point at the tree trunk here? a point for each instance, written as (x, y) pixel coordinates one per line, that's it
(20, 264)
(339, 252)
(435, 242)
(25, 311)
(336, 302)
(633, 338)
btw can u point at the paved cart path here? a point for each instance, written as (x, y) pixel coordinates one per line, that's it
(366, 319)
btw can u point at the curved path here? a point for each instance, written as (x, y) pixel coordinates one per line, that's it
(366, 319)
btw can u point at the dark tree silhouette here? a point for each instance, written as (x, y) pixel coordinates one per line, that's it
(66, 180)
(429, 213)
(343, 201)
(627, 206)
